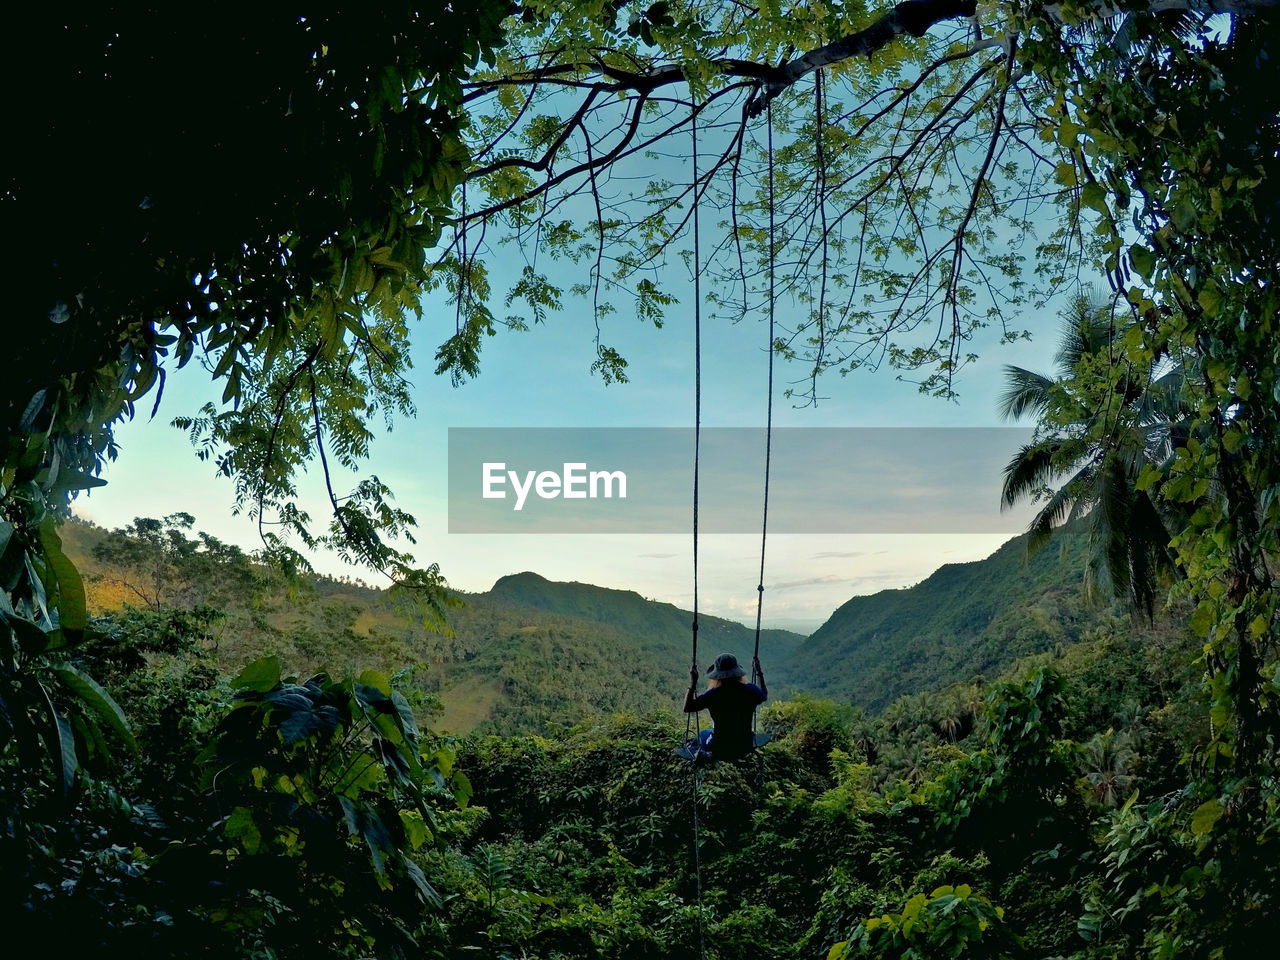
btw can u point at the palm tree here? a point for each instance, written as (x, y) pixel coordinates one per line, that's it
(1108, 758)
(953, 721)
(1100, 421)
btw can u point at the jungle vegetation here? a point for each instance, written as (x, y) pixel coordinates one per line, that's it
(536, 656)
(254, 816)
(272, 196)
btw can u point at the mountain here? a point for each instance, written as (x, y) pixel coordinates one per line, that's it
(964, 619)
(540, 654)
(536, 655)
(663, 623)
(529, 655)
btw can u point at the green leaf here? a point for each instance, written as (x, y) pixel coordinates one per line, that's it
(1093, 196)
(1184, 216)
(1143, 260)
(60, 742)
(1206, 815)
(415, 828)
(28, 418)
(240, 826)
(69, 480)
(260, 676)
(405, 714)
(11, 556)
(1210, 300)
(462, 790)
(1150, 476)
(379, 681)
(1202, 619)
(299, 726)
(97, 700)
(72, 611)
(30, 637)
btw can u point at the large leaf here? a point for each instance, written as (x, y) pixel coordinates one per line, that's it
(96, 699)
(60, 743)
(1205, 817)
(30, 637)
(10, 556)
(260, 676)
(377, 680)
(69, 480)
(461, 787)
(240, 826)
(299, 726)
(72, 612)
(405, 713)
(428, 892)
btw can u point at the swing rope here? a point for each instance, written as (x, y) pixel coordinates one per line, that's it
(768, 429)
(768, 442)
(697, 405)
(695, 723)
(697, 444)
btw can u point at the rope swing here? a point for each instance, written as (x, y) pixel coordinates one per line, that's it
(697, 445)
(768, 428)
(693, 723)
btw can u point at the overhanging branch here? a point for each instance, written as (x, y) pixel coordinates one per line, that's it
(911, 18)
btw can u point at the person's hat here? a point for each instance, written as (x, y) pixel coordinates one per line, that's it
(726, 666)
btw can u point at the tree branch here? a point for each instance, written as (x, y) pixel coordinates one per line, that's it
(911, 18)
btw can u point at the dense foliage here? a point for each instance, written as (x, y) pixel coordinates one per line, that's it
(262, 814)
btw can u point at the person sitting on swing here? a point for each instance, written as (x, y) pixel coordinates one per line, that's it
(732, 702)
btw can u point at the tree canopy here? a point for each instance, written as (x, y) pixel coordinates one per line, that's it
(905, 175)
(258, 192)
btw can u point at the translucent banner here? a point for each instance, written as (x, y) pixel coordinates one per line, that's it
(640, 480)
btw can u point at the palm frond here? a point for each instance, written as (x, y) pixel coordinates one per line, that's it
(1028, 472)
(1111, 523)
(1027, 393)
(1049, 518)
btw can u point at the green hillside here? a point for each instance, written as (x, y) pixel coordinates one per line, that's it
(534, 655)
(529, 656)
(964, 619)
(663, 623)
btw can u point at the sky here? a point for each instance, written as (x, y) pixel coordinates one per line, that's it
(541, 378)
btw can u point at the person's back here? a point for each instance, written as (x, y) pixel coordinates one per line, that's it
(731, 702)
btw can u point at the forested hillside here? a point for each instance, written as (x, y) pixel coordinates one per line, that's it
(1019, 816)
(964, 619)
(530, 655)
(534, 655)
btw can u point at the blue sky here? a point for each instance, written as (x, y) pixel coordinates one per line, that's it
(541, 378)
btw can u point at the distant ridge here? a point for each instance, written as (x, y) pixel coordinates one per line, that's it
(964, 619)
(538, 655)
(626, 610)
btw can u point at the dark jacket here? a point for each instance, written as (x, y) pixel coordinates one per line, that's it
(731, 706)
